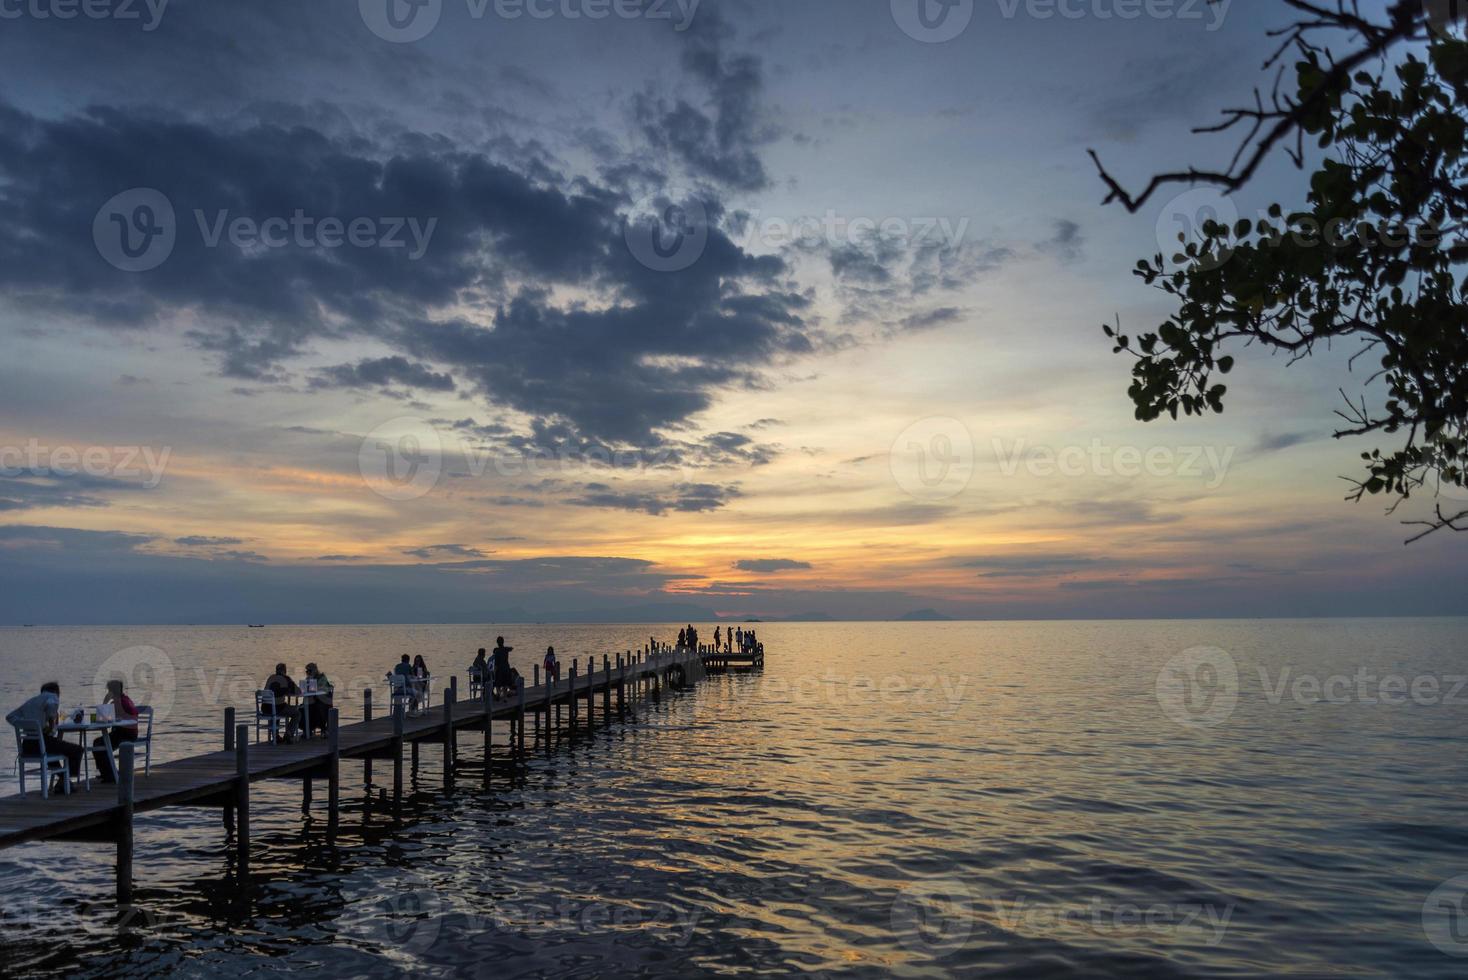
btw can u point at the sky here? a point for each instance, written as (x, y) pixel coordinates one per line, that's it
(587, 310)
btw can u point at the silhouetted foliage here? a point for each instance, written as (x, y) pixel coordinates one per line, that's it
(1373, 258)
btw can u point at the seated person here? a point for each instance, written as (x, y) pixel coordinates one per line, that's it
(402, 678)
(320, 696)
(283, 687)
(479, 669)
(420, 677)
(44, 711)
(127, 714)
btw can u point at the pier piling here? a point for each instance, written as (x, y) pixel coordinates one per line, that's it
(333, 767)
(367, 716)
(125, 797)
(242, 800)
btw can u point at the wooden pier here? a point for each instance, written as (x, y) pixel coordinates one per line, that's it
(222, 779)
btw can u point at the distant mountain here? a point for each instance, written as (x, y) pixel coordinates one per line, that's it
(924, 616)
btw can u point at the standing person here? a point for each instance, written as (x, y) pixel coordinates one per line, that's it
(682, 639)
(739, 641)
(552, 666)
(503, 678)
(127, 731)
(717, 642)
(45, 711)
(282, 686)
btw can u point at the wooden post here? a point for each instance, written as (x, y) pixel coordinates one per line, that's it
(333, 766)
(450, 696)
(622, 683)
(571, 692)
(590, 690)
(228, 747)
(367, 716)
(606, 692)
(397, 749)
(486, 685)
(125, 799)
(534, 709)
(242, 799)
(520, 711)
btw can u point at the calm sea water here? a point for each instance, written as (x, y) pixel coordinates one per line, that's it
(1016, 799)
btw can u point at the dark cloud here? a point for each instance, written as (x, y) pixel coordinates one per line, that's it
(770, 564)
(650, 356)
(31, 537)
(445, 551)
(685, 497)
(236, 555)
(880, 275)
(380, 372)
(1067, 243)
(31, 489)
(1274, 443)
(719, 139)
(932, 319)
(202, 541)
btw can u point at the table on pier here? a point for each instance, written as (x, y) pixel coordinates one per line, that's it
(85, 728)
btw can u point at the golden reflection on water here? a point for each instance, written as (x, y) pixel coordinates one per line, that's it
(922, 798)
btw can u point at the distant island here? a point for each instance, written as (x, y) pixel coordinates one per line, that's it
(924, 616)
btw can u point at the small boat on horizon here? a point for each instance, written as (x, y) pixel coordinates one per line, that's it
(256, 626)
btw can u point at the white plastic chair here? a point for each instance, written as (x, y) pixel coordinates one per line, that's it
(145, 735)
(267, 717)
(41, 762)
(400, 697)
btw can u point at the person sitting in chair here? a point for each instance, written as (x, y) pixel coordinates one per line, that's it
(283, 686)
(127, 731)
(317, 684)
(44, 711)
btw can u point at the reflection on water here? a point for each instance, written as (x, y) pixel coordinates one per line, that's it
(1023, 799)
